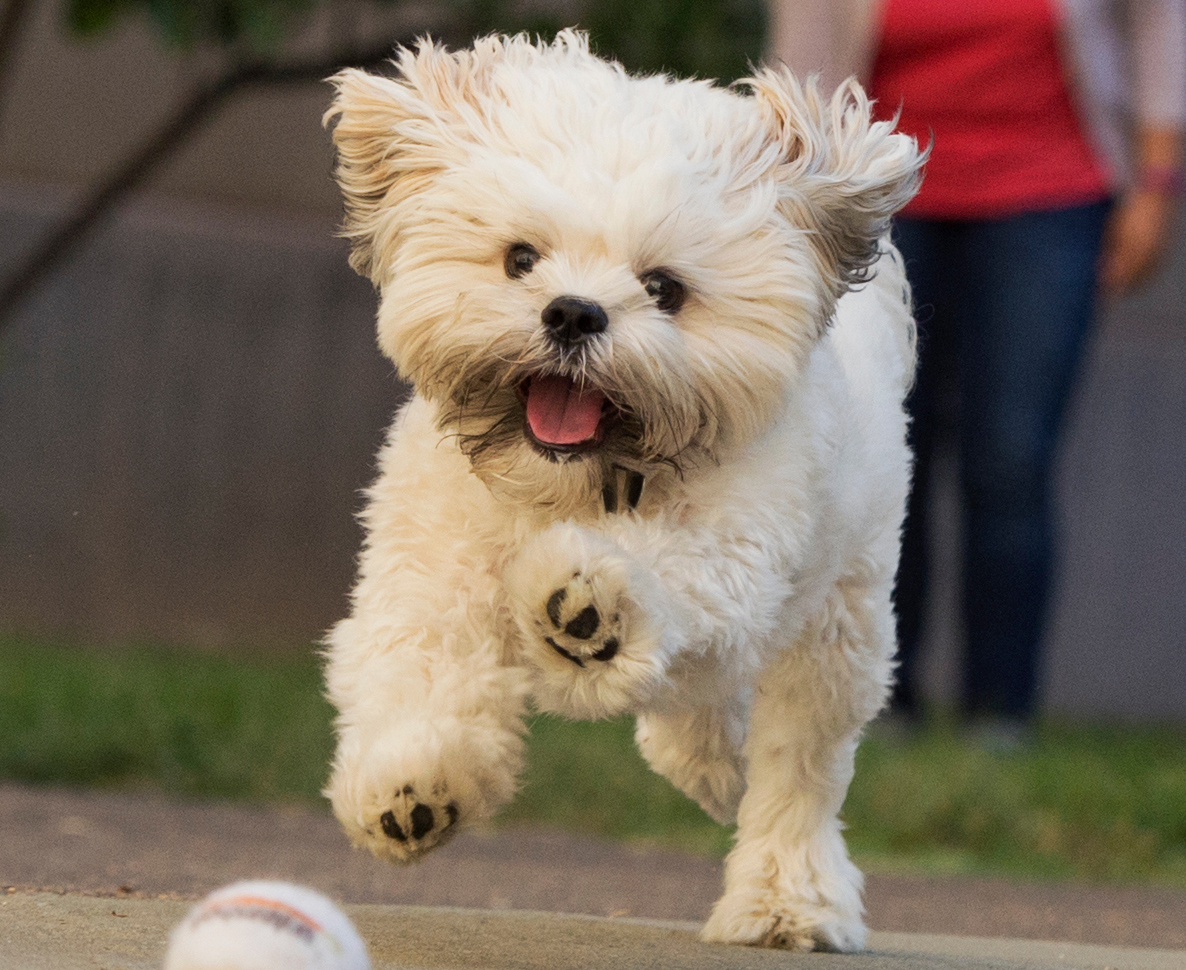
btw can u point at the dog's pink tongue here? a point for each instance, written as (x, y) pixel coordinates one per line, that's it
(559, 414)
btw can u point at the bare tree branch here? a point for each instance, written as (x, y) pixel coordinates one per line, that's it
(162, 143)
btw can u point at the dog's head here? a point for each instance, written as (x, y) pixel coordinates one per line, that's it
(583, 269)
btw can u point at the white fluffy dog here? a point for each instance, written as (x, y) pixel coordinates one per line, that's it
(655, 462)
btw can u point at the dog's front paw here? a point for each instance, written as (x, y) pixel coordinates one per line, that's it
(585, 628)
(787, 926)
(591, 622)
(414, 786)
(804, 896)
(419, 825)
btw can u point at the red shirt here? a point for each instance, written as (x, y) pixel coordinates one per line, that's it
(985, 80)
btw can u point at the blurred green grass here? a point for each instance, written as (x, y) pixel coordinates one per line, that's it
(189, 723)
(1085, 802)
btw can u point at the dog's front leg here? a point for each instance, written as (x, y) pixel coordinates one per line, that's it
(430, 725)
(594, 620)
(608, 613)
(788, 881)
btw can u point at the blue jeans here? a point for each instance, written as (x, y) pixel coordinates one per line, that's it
(1004, 308)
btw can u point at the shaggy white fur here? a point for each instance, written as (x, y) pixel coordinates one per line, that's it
(656, 457)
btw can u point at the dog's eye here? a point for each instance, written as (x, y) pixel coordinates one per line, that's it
(520, 260)
(667, 292)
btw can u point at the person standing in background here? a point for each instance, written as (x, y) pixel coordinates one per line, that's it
(1056, 129)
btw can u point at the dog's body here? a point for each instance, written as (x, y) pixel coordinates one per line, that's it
(656, 459)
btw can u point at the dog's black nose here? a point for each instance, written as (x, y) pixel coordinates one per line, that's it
(570, 320)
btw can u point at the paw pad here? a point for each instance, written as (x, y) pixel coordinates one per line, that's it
(415, 820)
(579, 630)
(584, 624)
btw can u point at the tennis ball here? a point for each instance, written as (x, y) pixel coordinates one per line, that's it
(264, 925)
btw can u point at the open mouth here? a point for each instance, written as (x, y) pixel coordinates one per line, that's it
(562, 417)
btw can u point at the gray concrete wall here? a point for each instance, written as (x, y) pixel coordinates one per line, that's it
(1118, 637)
(75, 107)
(187, 413)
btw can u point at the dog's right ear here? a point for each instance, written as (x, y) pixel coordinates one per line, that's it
(393, 135)
(842, 174)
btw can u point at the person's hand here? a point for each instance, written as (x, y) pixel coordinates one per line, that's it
(1135, 239)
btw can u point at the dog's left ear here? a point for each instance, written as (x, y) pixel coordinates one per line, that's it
(395, 134)
(841, 174)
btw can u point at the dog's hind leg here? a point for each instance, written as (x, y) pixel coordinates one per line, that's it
(698, 749)
(789, 881)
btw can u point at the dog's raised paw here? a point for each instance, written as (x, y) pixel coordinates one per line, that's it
(577, 628)
(410, 788)
(583, 606)
(416, 825)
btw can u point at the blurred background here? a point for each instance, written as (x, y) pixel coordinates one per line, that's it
(191, 398)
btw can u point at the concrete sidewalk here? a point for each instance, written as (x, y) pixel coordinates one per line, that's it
(123, 868)
(142, 844)
(44, 931)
